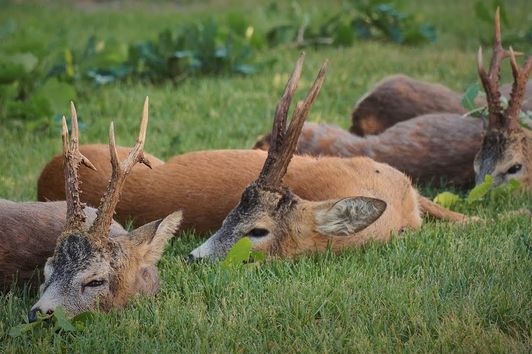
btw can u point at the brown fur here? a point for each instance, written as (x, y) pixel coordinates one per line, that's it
(207, 184)
(28, 235)
(429, 149)
(399, 97)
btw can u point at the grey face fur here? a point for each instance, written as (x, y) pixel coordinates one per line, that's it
(263, 215)
(503, 156)
(83, 275)
(78, 276)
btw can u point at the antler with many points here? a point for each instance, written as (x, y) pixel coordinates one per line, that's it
(284, 141)
(490, 80)
(518, 90)
(100, 228)
(72, 159)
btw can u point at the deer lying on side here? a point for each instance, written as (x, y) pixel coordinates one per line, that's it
(28, 236)
(430, 149)
(88, 268)
(399, 98)
(373, 205)
(440, 146)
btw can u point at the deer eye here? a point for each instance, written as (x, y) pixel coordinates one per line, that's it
(94, 283)
(258, 232)
(514, 169)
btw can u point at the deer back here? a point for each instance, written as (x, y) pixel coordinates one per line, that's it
(28, 235)
(398, 98)
(430, 148)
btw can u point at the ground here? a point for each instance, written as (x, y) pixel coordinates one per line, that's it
(442, 288)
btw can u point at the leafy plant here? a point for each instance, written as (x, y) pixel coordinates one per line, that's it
(58, 322)
(373, 19)
(478, 193)
(241, 253)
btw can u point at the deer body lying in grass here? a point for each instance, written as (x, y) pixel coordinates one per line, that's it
(89, 269)
(429, 149)
(399, 98)
(360, 199)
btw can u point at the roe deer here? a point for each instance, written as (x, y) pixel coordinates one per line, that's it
(430, 149)
(373, 204)
(88, 269)
(506, 151)
(207, 185)
(28, 234)
(398, 98)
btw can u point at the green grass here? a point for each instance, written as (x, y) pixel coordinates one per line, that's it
(443, 288)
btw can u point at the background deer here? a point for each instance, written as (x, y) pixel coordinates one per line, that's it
(506, 151)
(439, 146)
(432, 148)
(376, 203)
(89, 269)
(398, 98)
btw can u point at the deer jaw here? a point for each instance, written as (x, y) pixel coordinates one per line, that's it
(280, 223)
(505, 155)
(82, 275)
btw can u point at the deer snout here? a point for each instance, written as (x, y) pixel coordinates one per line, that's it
(190, 258)
(32, 314)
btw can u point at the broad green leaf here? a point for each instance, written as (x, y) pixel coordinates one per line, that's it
(468, 99)
(481, 190)
(239, 253)
(446, 199)
(61, 320)
(21, 329)
(27, 60)
(57, 94)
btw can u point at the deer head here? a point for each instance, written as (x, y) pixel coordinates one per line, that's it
(277, 221)
(506, 148)
(88, 269)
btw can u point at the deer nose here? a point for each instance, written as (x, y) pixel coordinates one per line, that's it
(32, 315)
(190, 258)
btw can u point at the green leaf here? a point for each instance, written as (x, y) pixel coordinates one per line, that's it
(21, 329)
(481, 190)
(447, 199)
(239, 253)
(27, 60)
(468, 99)
(57, 94)
(61, 320)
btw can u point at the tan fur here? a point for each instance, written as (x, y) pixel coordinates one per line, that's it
(28, 235)
(207, 185)
(429, 148)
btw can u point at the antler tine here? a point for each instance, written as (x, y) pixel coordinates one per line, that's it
(280, 118)
(100, 228)
(518, 90)
(490, 80)
(278, 167)
(75, 217)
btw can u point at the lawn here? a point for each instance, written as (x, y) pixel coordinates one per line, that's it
(443, 288)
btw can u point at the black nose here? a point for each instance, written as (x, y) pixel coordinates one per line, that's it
(190, 258)
(32, 315)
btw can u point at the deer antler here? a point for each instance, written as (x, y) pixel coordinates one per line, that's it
(518, 90)
(284, 142)
(100, 228)
(72, 158)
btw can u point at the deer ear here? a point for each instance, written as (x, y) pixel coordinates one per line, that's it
(347, 216)
(149, 240)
